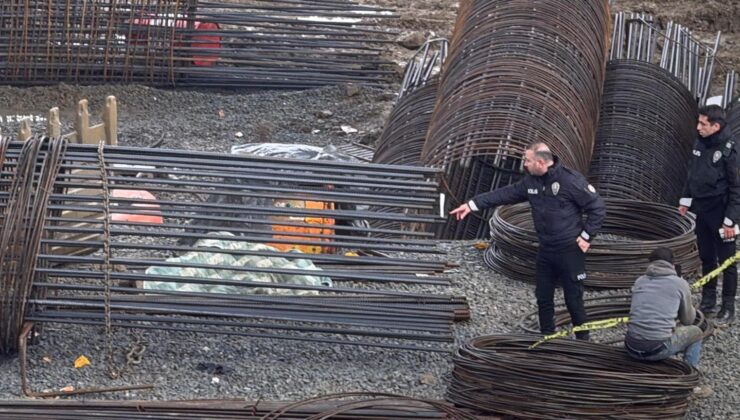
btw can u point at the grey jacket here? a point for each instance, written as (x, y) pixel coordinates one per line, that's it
(658, 297)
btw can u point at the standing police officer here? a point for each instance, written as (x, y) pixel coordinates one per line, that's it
(558, 197)
(713, 193)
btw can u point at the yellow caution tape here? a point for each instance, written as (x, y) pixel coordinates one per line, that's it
(716, 272)
(593, 325)
(613, 322)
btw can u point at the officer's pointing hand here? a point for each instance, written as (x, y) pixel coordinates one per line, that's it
(683, 210)
(461, 212)
(583, 244)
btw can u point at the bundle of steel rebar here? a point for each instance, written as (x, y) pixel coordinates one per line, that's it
(220, 236)
(601, 308)
(565, 378)
(517, 73)
(618, 255)
(346, 406)
(647, 124)
(285, 44)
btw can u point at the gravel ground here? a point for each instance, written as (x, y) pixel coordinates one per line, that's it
(270, 369)
(178, 363)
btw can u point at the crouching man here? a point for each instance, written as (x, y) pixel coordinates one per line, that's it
(658, 298)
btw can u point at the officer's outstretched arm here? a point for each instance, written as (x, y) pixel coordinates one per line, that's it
(510, 194)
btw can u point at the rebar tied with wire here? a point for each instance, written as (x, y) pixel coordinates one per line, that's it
(284, 44)
(220, 235)
(565, 378)
(517, 73)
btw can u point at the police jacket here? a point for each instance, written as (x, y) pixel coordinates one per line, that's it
(713, 174)
(558, 199)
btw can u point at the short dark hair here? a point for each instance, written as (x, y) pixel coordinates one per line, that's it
(715, 115)
(664, 254)
(541, 151)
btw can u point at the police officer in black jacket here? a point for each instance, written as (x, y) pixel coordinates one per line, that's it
(559, 197)
(713, 193)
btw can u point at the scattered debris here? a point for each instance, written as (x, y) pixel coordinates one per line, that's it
(348, 129)
(81, 362)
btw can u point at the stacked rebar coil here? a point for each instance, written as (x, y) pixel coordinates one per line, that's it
(405, 131)
(566, 379)
(283, 44)
(346, 406)
(631, 230)
(517, 73)
(646, 130)
(601, 308)
(648, 111)
(219, 235)
(733, 120)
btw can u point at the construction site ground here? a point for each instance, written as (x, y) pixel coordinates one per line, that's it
(182, 366)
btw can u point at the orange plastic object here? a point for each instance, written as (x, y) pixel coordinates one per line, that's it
(321, 221)
(140, 218)
(210, 42)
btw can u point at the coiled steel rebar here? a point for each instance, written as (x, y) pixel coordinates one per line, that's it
(648, 111)
(565, 378)
(631, 230)
(646, 132)
(285, 44)
(405, 131)
(517, 73)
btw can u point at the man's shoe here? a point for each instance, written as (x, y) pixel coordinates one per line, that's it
(708, 304)
(726, 316)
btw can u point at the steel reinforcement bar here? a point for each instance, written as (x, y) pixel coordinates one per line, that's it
(284, 44)
(203, 242)
(517, 73)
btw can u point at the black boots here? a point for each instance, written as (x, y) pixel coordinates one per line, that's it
(708, 304)
(726, 315)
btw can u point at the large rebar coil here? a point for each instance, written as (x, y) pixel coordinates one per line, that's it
(631, 230)
(518, 72)
(733, 120)
(646, 131)
(406, 129)
(566, 379)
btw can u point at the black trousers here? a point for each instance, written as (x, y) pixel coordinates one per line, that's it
(713, 250)
(567, 267)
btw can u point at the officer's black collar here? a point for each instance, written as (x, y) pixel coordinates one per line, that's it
(554, 170)
(715, 139)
